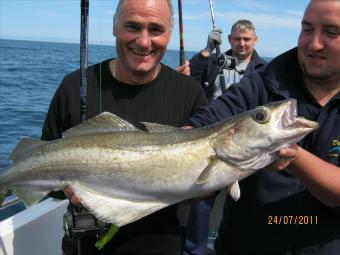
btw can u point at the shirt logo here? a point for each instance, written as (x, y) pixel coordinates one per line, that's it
(335, 148)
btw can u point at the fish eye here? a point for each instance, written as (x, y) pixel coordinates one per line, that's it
(261, 114)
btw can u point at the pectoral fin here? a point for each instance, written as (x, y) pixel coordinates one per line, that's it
(206, 173)
(234, 191)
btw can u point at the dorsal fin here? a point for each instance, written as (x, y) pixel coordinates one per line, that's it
(104, 122)
(23, 146)
(155, 127)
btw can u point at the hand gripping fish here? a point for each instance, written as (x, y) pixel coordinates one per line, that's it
(121, 173)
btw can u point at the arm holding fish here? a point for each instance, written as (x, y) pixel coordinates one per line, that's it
(320, 177)
(245, 95)
(286, 156)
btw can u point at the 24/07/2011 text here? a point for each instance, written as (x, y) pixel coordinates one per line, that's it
(292, 219)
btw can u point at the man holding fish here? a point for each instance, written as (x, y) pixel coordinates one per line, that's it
(136, 87)
(296, 210)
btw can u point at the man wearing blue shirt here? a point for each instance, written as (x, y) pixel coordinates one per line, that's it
(307, 189)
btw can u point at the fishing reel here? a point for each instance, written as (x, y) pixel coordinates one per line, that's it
(79, 222)
(225, 61)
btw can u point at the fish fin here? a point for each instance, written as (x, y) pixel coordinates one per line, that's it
(117, 211)
(104, 122)
(234, 191)
(155, 127)
(29, 197)
(205, 174)
(24, 145)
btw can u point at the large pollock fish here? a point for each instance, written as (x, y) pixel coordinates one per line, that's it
(121, 173)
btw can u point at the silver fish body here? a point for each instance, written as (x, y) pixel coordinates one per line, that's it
(122, 174)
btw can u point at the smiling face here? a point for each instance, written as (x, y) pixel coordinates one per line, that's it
(142, 29)
(319, 41)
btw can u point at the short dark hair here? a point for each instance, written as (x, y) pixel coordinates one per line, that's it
(243, 24)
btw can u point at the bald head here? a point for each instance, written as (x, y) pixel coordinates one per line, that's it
(119, 5)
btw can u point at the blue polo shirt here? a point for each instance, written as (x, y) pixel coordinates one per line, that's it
(247, 226)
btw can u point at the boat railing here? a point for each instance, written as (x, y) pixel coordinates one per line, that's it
(9, 201)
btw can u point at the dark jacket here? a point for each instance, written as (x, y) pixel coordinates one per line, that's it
(248, 228)
(171, 98)
(205, 69)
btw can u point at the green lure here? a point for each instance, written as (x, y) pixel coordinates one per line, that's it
(107, 237)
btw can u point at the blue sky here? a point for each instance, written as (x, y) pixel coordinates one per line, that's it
(277, 21)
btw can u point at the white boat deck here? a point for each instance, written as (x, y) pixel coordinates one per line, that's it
(37, 230)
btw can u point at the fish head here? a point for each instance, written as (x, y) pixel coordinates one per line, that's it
(252, 139)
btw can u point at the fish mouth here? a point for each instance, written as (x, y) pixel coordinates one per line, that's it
(290, 120)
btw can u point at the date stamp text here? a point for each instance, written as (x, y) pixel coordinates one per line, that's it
(292, 219)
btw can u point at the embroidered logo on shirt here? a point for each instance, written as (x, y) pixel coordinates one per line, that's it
(335, 148)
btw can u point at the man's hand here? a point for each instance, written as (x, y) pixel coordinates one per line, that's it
(184, 69)
(71, 196)
(214, 37)
(286, 156)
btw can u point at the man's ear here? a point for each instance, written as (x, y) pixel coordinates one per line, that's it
(114, 26)
(229, 38)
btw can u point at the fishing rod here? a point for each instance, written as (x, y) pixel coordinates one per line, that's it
(181, 38)
(84, 16)
(84, 5)
(78, 222)
(219, 57)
